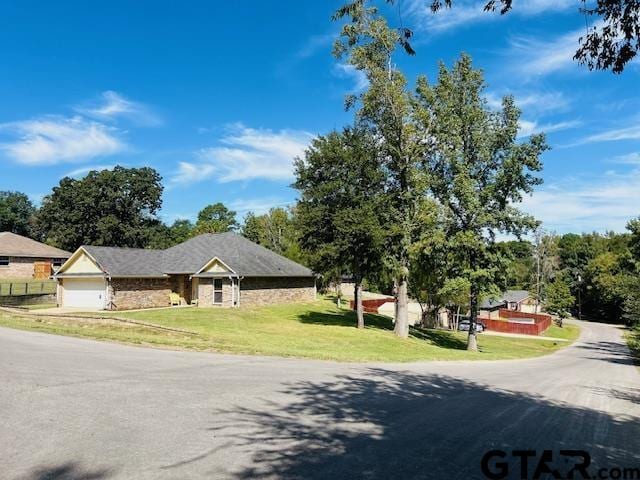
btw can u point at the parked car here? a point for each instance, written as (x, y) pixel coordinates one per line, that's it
(464, 325)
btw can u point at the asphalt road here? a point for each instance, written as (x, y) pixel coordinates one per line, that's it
(78, 409)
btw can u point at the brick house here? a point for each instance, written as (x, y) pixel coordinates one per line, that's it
(210, 270)
(514, 300)
(22, 257)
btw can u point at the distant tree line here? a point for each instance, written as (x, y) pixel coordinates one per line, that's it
(591, 275)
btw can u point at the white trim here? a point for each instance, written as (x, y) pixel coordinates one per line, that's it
(73, 255)
(213, 292)
(219, 261)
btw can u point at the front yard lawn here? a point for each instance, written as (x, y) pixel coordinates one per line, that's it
(318, 330)
(567, 331)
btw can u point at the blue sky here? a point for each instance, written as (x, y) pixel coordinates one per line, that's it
(219, 97)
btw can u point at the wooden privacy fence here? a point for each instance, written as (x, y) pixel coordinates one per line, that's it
(42, 270)
(515, 322)
(372, 305)
(13, 289)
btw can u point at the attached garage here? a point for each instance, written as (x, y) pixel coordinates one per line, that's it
(84, 293)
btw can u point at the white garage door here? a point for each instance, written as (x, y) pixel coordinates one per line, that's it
(84, 293)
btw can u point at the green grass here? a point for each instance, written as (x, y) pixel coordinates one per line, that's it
(568, 332)
(28, 286)
(318, 330)
(633, 340)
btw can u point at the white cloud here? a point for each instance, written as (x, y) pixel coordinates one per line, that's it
(532, 102)
(467, 12)
(527, 127)
(629, 159)
(257, 205)
(81, 172)
(113, 105)
(316, 43)
(250, 153)
(601, 204)
(54, 139)
(189, 173)
(613, 135)
(349, 72)
(537, 57)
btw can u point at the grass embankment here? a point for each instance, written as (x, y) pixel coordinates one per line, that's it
(567, 331)
(633, 340)
(318, 330)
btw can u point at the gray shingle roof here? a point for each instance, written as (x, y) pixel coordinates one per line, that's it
(13, 245)
(128, 261)
(509, 296)
(244, 257)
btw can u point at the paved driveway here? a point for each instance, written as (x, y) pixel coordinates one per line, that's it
(78, 409)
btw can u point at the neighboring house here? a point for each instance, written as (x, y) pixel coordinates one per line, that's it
(516, 300)
(22, 257)
(222, 269)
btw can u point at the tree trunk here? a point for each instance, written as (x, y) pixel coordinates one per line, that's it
(359, 310)
(402, 308)
(472, 341)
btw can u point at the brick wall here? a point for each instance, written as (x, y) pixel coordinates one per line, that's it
(271, 290)
(132, 293)
(20, 267)
(205, 293)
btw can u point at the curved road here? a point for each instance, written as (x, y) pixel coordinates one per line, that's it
(78, 409)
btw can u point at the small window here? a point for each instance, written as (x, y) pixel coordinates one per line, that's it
(217, 291)
(57, 262)
(4, 261)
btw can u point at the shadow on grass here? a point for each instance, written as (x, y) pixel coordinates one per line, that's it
(387, 424)
(347, 318)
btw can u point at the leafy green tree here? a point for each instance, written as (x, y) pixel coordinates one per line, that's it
(522, 265)
(634, 241)
(341, 207)
(108, 207)
(216, 218)
(275, 230)
(167, 236)
(386, 107)
(558, 299)
(253, 227)
(478, 172)
(611, 43)
(16, 213)
(430, 264)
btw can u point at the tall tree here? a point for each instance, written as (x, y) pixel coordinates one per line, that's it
(108, 207)
(215, 218)
(478, 172)
(558, 299)
(16, 213)
(275, 230)
(386, 107)
(341, 207)
(166, 236)
(611, 42)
